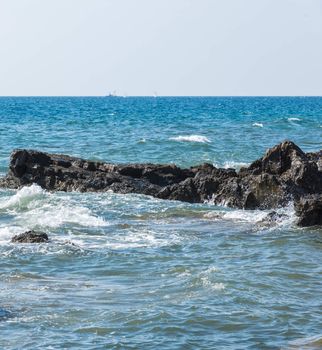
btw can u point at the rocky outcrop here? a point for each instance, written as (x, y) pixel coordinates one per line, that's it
(284, 173)
(30, 237)
(309, 210)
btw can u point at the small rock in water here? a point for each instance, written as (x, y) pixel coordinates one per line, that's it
(30, 237)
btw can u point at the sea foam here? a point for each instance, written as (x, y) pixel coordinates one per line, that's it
(259, 125)
(293, 119)
(231, 164)
(191, 138)
(240, 215)
(284, 216)
(57, 215)
(33, 207)
(23, 197)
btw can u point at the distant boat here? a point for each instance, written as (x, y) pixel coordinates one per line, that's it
(112, 94)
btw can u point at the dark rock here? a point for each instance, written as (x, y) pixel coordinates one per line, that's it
(309, 210)
(284, 173)
(30, 237)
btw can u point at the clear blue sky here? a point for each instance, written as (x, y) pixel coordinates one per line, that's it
(172, 47)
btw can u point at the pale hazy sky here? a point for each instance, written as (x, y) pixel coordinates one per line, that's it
(172, 47)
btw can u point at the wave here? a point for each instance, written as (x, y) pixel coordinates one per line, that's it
(310, 343)
(7, 233)
(31, 207)
(231, 164)
(191, 138)
(207, 279)
(260, 125)
(293, 119)
(252, 216)
(265, 218)
(61, 214)
(23, 197)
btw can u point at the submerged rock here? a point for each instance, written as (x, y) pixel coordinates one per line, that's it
(273, 218)
(30, 237)
(284, 173)
(4, 314)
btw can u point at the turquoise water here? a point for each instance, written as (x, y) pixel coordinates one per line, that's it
(134, 272)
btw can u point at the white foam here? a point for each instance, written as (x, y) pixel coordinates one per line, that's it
(208, 279)
(293, 119)
(285, 216)
(33, 207)
(6, 233)
(23, 197)
(140, 239)
(231, 164)
(191, 138)
(235, 165)
(238, 215)
(260, 125)
(54, 216)
(212, 285)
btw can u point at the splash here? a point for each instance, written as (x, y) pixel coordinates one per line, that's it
(23, 197)
(280, 217)
(231, 164)
(61, 214)
(32, 207)
(240, 215)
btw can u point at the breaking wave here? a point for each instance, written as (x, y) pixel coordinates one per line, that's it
(23, 197)
(293, 119)
(31, 207)
(231, 165)
(191, 138)
(260, 125)
(280, 217)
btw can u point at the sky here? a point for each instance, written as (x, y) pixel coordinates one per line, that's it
(163, 47)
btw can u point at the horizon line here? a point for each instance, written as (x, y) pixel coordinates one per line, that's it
(158, 96)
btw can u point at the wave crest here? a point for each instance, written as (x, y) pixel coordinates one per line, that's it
(293, 119)
(191, 138)
(32, 208)
(23, 197)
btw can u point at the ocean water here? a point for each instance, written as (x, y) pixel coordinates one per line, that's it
(134, 272)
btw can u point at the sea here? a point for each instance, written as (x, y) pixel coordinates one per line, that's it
(135, 272)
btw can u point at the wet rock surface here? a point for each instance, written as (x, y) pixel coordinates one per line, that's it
(284, 173)
(30, 237)
(309, 210)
